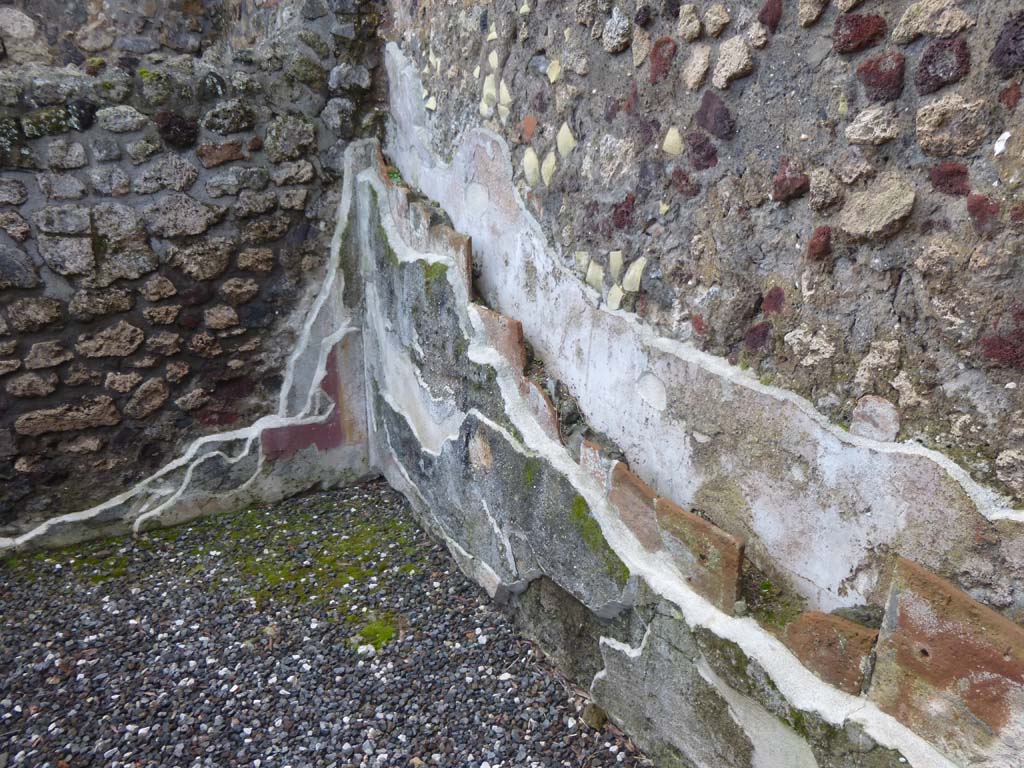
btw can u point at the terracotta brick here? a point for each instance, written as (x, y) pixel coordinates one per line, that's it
(706, 555)
(946, 666)
(542, 408)
(505, 335)
(634, 501)
(594, 463)
(833, 648)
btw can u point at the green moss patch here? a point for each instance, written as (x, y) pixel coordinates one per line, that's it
(593, 537)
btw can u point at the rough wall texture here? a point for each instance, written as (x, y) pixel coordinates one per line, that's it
(167, 199)
(825, 193)
(686, 326)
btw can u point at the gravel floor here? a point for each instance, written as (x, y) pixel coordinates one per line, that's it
(327, 630)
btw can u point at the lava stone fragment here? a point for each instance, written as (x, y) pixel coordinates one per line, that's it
(771, 14)
(177, 131)
(855, 32)
(951, 179)
(83, 114)
(882, 76)
(714, 117)
(1008, 54)
(703, 154)
(944, 62)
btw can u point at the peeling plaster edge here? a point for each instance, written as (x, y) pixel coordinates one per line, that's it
(989, 502)
(191, 457)
(801, 688)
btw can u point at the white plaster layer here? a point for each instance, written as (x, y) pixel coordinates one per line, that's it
(797, 684)
(818, 500)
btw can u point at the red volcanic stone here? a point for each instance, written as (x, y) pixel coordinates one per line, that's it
(1017, 214)
(1010, 97)
(1006, 349)
(683, 184)
(1008, 55)
(820, 244)
(771, 14)
(662, 53)
(773, 301)
(951, 178)
(622, 216)
(714, 117)
(212, 155)
(944, 62)
(529, 127)
(790, 181)
(882, 76)
(700, 327)
(984, 212)
(856, 31)
(703, 154)
(757, 336)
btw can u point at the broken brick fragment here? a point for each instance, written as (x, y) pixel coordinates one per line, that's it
(714, 117)
(662, 53)
(833, 648)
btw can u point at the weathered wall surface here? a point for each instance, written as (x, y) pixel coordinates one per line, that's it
(697, 352)
(168, 193)
(633, 595)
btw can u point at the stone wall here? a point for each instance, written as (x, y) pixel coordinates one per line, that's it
(645, 604)
(824, 193)
(168, 193)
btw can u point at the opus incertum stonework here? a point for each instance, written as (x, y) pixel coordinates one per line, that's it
(694, 330)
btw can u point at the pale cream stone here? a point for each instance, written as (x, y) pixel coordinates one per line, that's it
(492, 59)
(582, 259)
(663, 207)
(566, 141)
(697, 66)
(641, 47)
(554, 71)
(531, 167)
(716, 18)
(503, 113)
(631, 282)
(504, 97)
(734, 61)
(614, 299)
(673, 144)
(492, 35)
(595, 276)
(757, 34)
(940, 18)
(810, 11)
(490, 96)
(476, 71)
(547, 168)
(688, 26)
(524, 9)
(615, 264)
(873, 126)
(431, 104)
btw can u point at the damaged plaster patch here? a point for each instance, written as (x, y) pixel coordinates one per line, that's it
(502, 235)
